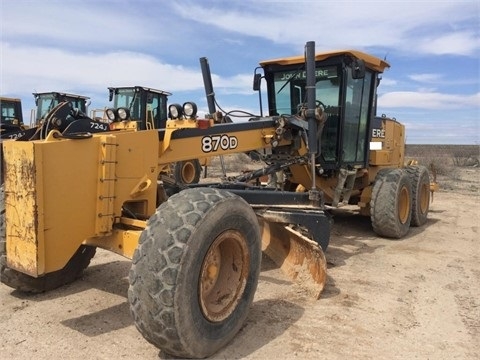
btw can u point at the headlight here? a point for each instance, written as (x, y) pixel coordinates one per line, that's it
(190, 109)
(111, 114)
(174, 111)
(123, 113)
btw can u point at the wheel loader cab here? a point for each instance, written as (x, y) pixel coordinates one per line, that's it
(45, 102)
(11, 111)
(146, 106)
(346, 84)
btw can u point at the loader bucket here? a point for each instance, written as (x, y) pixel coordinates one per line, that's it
(300, 258)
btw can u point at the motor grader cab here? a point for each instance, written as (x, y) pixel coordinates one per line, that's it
(361, 155)
(195, 249)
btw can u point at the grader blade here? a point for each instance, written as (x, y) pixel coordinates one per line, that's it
(300, 258)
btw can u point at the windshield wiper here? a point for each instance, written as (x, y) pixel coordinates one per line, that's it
(290, 80)
(131, 102)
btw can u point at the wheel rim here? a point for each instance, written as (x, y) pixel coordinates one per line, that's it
(188, 172)
(223, 276)
(424, 198)
(403, 205)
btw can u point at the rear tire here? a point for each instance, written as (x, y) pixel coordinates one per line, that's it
(390, 205)
(188, 171)
(195, 272)
(29, 284)
(420, 180)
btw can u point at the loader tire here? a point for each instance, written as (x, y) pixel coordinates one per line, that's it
(390, 205)
(420, 180)
(29, 284)
(195, 272)
(187, 172)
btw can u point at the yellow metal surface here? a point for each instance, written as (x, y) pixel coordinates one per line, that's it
(22, 206)
(182, 149)
(106, 185)
(392, 151)
(120, 241)
(88, 183)
(372, 62)
(301, 259)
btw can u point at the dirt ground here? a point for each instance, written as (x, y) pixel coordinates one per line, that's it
(415, 298)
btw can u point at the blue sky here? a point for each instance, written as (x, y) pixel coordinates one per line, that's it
(83, 47)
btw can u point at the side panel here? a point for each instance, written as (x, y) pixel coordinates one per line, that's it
(60, 192)
(387, 144)
(25, 246)
(186, 144)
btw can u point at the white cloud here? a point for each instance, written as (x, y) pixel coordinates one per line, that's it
(458, 43)
(424, 26)
(51, 68)
(75, 23)
(428, 100)
(428, 78)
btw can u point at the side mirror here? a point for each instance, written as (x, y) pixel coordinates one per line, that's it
(256, 81)
(110, 94)
(358, 69)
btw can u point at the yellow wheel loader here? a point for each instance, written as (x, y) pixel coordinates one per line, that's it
(11, 117)
(148, 108)
(196, 249)
(12, 125)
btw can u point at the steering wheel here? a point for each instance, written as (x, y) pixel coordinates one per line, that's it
(303, 105)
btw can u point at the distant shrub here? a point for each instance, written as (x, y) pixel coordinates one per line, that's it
(465, 159)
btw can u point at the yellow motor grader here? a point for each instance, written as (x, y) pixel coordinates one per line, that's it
(196, 249)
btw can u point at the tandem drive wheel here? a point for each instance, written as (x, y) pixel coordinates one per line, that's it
(391, 209)
(420, 180)
(195, 272)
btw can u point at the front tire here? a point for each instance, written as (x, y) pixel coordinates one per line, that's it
(195, 272)
(420, 180)
(390, 205)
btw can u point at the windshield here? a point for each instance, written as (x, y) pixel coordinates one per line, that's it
(8, 111)
(45, 103)
(77, 103)
(129, 99)
(289, 87)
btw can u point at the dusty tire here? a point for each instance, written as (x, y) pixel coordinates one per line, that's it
(420, 180)
(390, 205)
(188, 171)
(25, 283)
(195, 272)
